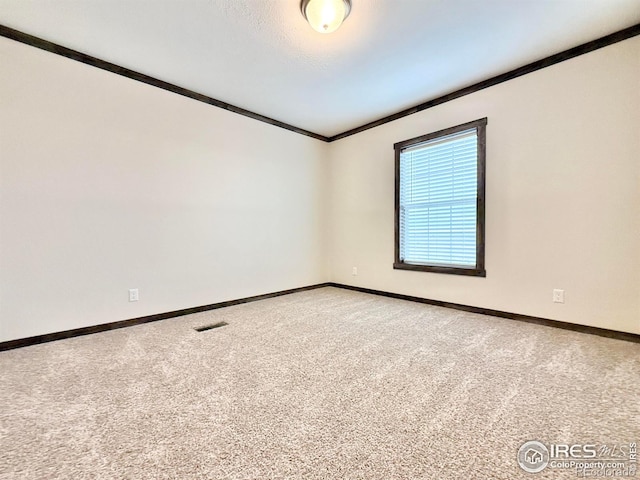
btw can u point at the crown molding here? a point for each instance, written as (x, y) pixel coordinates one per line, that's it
(490, 82)
(504, 77)
(149, 80)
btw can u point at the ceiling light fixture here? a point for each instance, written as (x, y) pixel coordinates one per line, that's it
(325, 16)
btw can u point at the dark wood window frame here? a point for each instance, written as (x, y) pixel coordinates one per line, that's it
(479, 269)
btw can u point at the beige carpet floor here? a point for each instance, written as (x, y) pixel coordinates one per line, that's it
(323, 384)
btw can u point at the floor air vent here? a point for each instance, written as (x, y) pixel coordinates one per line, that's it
(204, 328)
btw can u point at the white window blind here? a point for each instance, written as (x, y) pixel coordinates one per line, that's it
(438, 197)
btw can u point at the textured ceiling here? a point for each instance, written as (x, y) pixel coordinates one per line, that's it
(261, 55)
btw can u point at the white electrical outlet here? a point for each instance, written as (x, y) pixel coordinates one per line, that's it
(558, 296)
(133, 295)
(354, 271)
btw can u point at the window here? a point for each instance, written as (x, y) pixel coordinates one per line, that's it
(440, 201)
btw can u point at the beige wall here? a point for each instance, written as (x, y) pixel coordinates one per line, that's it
(563, 195)
(108, 184)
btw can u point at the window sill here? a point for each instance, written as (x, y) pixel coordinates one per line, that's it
(473, 272)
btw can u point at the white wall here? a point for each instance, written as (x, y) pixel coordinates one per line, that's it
(108, 184)
(563, 195)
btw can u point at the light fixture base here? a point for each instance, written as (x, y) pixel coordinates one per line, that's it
(317, 19)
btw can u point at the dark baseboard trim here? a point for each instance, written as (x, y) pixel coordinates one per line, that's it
(518, 72)
(140, 77)
(76, 332)
(126, 72)
(602, 332)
